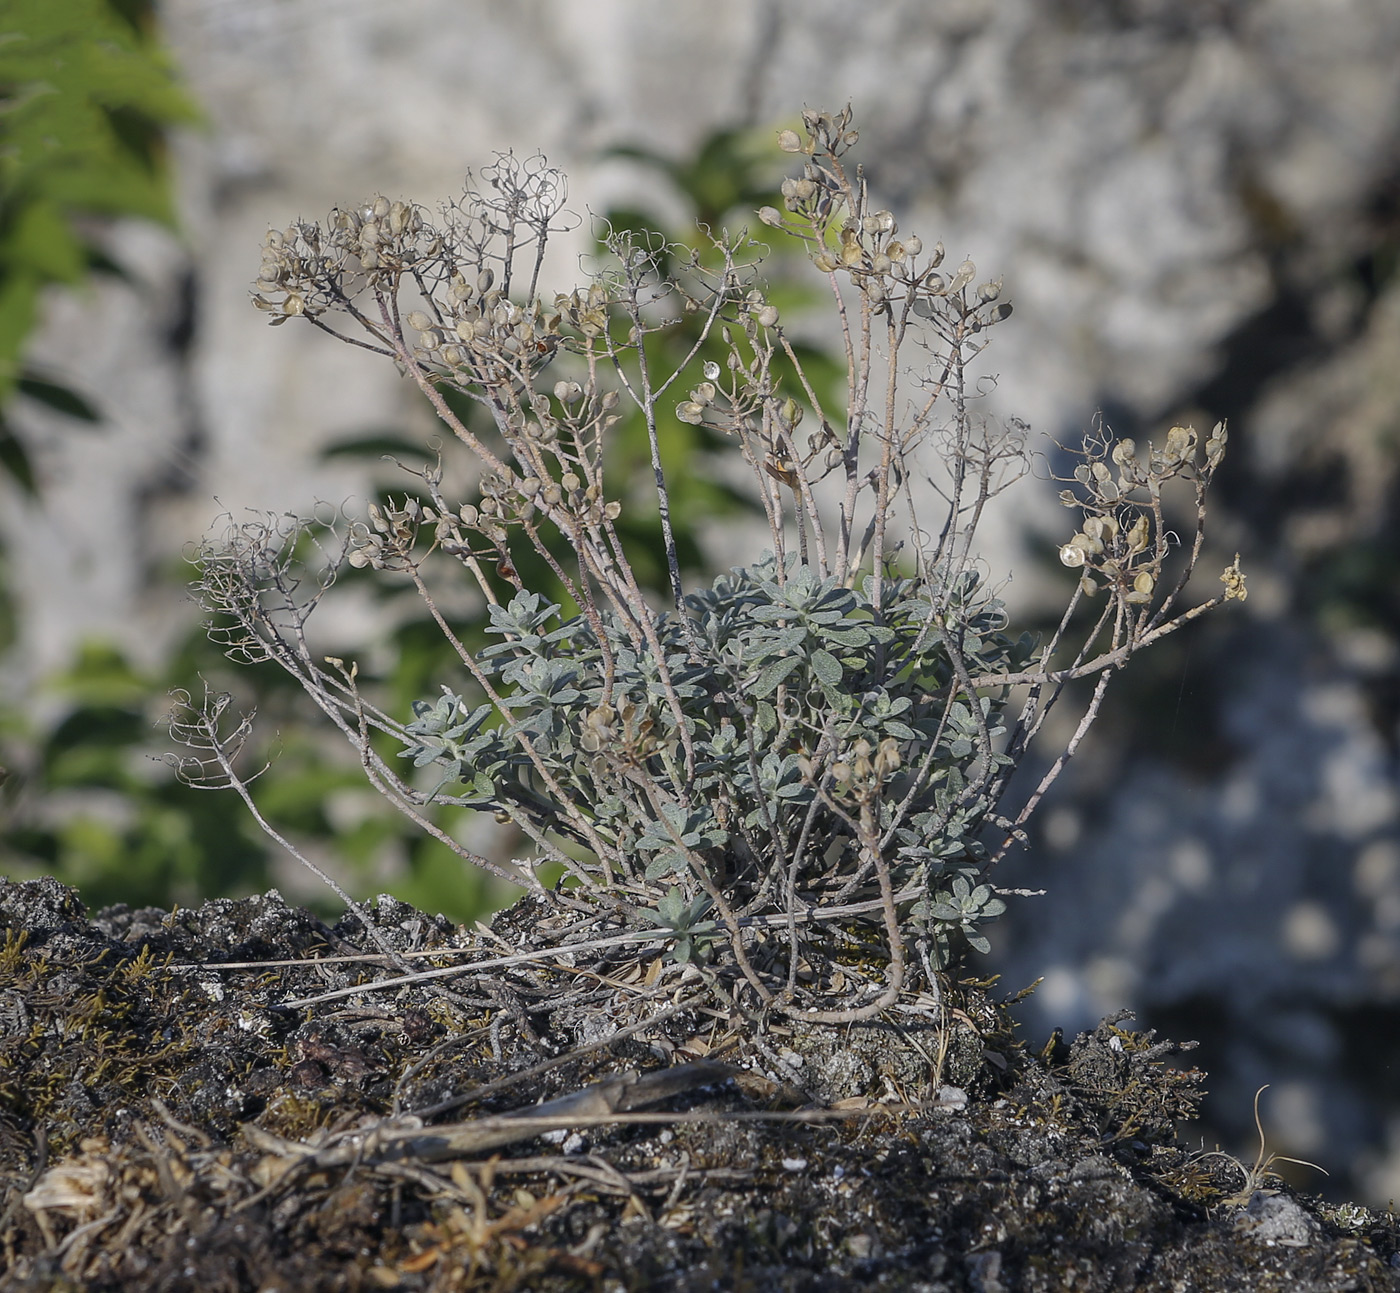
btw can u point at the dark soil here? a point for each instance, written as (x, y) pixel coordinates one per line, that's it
(167, 1124)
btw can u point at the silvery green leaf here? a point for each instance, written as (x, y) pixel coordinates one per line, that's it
(826, 667)
(772, 675)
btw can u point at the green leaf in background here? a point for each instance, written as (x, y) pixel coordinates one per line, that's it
(86, 96)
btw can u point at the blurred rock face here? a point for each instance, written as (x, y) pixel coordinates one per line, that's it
(1196, 209)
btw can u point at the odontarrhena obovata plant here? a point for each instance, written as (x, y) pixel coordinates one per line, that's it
(809, 754)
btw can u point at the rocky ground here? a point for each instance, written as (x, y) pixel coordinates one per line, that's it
(593, 1121)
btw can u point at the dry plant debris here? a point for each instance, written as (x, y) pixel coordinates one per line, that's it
(169, 1124)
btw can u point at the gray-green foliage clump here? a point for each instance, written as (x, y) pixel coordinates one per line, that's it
(795, 774)
(784, 670)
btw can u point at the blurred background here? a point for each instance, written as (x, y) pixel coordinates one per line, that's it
(1195, 205)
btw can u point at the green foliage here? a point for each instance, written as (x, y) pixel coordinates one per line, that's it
(86, 96)
(766, 673)
(90, 802)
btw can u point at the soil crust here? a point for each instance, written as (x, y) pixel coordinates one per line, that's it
(170, 1123)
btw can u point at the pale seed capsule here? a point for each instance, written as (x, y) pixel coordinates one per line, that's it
(789, 142)
(293, 305)
(613, 510)
(552, 494)
(570, 481)
(771, 216)
(431, 339)
(767, 316)
(468, 513)
(913, 244)
(381, 208)
(530, 486)
(369, 259)
(484, 280)
(417, 319)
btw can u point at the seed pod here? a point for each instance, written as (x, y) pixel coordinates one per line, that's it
(551, 493)
(381, 208)
(1137, 537)
(613, 510)
(966, 272)
(484, 280)
(691, 412)
(913, 244)
(825, 261)
(789, 142)
(570, 481)
(771, 216)
(293, 305)
(767, 316)
(469, 514)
